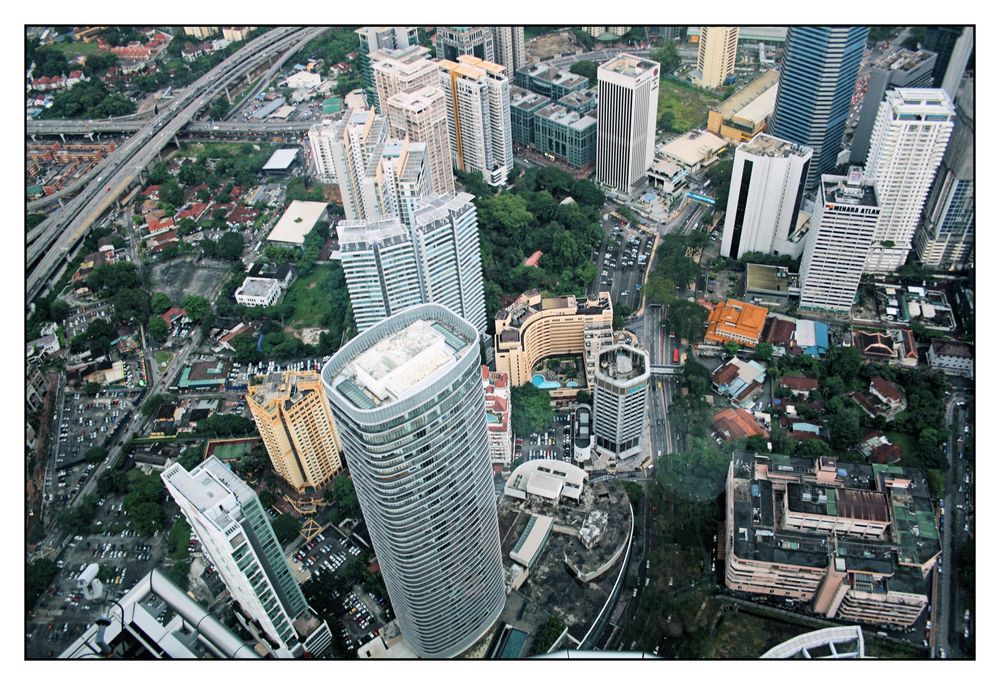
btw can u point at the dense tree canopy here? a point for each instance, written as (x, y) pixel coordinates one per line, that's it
(531, 409)
(697, 473)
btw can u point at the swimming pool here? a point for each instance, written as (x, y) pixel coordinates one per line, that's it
(538, 380)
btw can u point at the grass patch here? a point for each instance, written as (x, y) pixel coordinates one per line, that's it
(75, 49)
(906, 441)
(744, 636)
(163, 359)
(311, 302)
(688, 103)
(232, 450)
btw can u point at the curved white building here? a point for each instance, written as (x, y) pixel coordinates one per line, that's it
(408, 400)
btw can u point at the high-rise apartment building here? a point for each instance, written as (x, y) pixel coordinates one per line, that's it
(844, 219)
(814, 92)
(381, 38)
(478, 97)
(295, 423)
(396, 76)
(628, 88)
(408, 399)
(389, 268)
(200, 32)
(421, 114)
(620, 381)
(237, 537)
(946, 238)
(508, 47)
(908, 143)
(765, 193)
(380, 269)
(899, 68)
(451, 42)
(717, 54)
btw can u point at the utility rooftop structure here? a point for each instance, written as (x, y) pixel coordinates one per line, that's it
(855, 541)
(743, 114)
(296, 223)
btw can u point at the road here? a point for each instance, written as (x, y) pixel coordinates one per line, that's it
(52, 242)
(55, 127)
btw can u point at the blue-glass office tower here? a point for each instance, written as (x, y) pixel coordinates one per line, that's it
(814, 93)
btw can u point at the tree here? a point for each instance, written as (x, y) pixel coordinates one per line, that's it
(91, 388)
(719, 177)
(845, 429)
(687, 319)
(178, 539)
(531, 409)
(586, 68)
(158, 329)
(812, 448)
(731, 348)
(844, 362)
(667, 57)
(159, 303)
(245, 347)
(231, 246)
(698, 473)
(172, 193)
(935, 482)
(95, 454)
(547, 636)
(197, 307)
(621, 312)
(352, 571)
(38, 575)
(763, 352)
(58, 310)
(286, 528)
(343, 498)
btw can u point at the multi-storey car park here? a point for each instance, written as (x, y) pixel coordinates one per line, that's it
(857, 542)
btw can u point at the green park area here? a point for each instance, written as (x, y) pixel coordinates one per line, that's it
(227, 451)
(312, 296)
(682, 107)
(76, 48)
(163, 359)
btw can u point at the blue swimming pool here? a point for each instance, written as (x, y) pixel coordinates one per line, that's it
(572, 384)
(538, 380)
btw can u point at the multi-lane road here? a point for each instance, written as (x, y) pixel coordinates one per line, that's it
(51, 242)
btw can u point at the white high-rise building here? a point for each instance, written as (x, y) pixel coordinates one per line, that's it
(844, 220)
(421, 115)
(508, 47)
(620, 381)
(407, 396)
(389, 268)
(765, 193)
(908, 143)
(628, 88)
(478, 104)
(446, 238)
(717, 54)
(237, 537)
(396, 76)
(380, 269)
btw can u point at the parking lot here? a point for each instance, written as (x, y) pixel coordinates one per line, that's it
(354, 614)
(62, 614)
(621, 263)
(240, 375)
(554, 443)
(77, 323)
(86, 421)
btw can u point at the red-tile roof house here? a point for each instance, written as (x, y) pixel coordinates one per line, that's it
(799, 385)
(734, 424)
(533, 259)
(242, 216)
(195, 211)
(157, 226)
(886, 391)
(172, 315)
(152, 192)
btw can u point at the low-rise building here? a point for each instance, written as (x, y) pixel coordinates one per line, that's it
(952, 357)
(877, 448)
(770, 285)
(498, 421)
(883, 398)
(849, 541)
(258, 292)
(549, 81)
(744, 114)
(895, 346)
(736, 321)
(800, 386)
(736, 424)
(296, 223)
(524, 104)
(742, 382)
(282, 162)
(693, 150)
(582, 101)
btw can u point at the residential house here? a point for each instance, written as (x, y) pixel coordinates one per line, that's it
(740, 381)
(800, 386)
(736, 424)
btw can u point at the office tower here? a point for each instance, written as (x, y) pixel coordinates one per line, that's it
(620, 400)
(446, 240)
(422, 115)
(628, 88)
(508, 47)
(237, 537)
(717, 54)
(375, 38)
(897, 69)
(451, 42)
(908, 143)
(380, 269)
(844, 218)
(408, 399)
(524, 104)
(388, 268)
(496, 386)
(478, 93)
(944, 42)
(814, 92)
(765, 193)
(959, 62)
(297, 428)
(946, 238)
(396, 76)
(567, 135)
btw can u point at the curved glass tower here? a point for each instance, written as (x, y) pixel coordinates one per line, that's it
(407, 396)
(814, 92)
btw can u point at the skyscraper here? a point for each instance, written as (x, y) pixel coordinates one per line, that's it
(946, 239)
(959, 62)
(478, 97)
(628, 88)
(388, 268)
(814, 93)
(380, 269)
(908, 143)
(953, 54)
(396, 76)
(451, 42)
(422, 115)
(376, 38)
(620, 381)
(844, 218)
(508, 47)
(897, 69)
(408, 399)
(236, 536)
(297, 428)
(765, 193)
(717, 54)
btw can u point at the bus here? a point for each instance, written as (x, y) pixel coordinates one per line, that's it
(677, 356)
